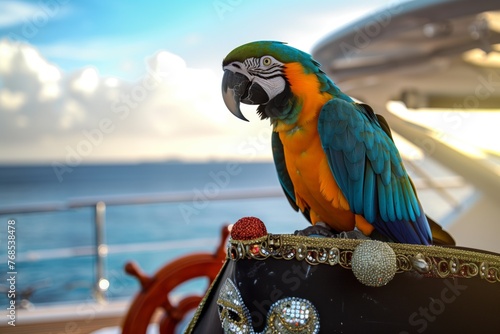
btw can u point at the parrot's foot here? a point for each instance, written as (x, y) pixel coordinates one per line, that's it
(354, 234)
(322, 230)
(317, 230)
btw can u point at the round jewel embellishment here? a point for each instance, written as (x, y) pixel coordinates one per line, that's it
(248, 228)
(374, 263)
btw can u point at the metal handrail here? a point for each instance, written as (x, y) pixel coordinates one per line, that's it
(101, 283)
(136, 199)
(99, 203)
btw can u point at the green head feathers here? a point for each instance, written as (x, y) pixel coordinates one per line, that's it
(279, 50)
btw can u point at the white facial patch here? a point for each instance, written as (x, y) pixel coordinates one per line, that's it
(272, 86)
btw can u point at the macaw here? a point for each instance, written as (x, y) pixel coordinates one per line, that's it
(335, 158)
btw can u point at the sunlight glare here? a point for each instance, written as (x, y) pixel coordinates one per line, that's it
(472, 132)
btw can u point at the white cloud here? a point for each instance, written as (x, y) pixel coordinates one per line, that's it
(94, 50)
(74, 113)
(11, 101)
(172, 111)
(14, 12)
(86, 82)
(7, 53)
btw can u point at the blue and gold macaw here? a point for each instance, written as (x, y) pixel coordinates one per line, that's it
(335, 158)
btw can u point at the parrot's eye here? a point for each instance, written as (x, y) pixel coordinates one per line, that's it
(266, 61)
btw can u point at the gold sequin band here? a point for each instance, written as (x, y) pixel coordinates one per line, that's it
(374, 263)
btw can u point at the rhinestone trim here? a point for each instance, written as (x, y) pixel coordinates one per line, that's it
(429, 261)
(289, 315)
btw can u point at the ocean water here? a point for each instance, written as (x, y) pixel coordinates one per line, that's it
(54, 263)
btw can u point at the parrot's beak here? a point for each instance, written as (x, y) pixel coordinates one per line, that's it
(236, 88)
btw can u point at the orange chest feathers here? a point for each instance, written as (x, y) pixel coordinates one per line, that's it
(306, 163)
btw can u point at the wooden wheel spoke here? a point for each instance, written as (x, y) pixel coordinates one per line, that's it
(155, 292)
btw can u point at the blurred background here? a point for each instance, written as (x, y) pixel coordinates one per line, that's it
(67, 65)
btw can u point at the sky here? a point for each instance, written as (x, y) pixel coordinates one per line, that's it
(107, 81)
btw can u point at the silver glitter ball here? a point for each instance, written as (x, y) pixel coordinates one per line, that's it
(374, 263)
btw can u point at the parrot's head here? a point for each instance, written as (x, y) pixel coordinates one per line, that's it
(254, 73)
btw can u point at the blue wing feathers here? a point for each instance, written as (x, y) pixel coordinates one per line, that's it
(283, 177)
(386, 172)
(397, 168)
(382, 202)
(368, 169)
(405, 204)
(357, 190)
(349, 141)
(369, 194)
(339, 127)
(414, 201)
(409, 207)
(423, 226)
(375, 157)
(338, 169)
(369, 139)
(397, 200)
(391, 214)
(357, 154)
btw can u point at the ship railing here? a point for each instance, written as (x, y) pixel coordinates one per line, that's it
(100, 203)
